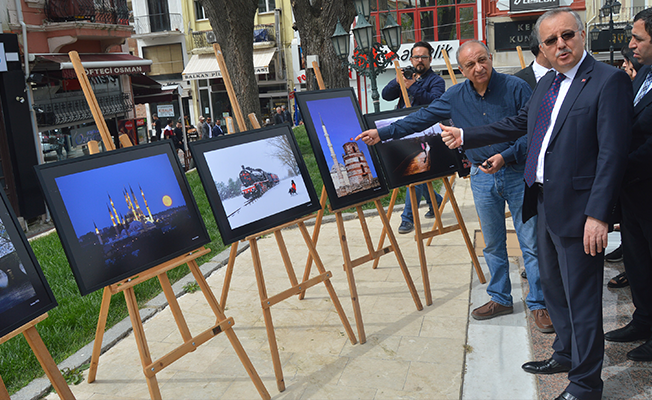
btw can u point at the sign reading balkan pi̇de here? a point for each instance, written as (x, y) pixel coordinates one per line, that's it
(532, 5)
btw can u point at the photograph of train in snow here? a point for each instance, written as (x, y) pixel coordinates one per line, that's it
(24, 292)
(418, 157)
(349, 169)
(254, 181)
(122, 212)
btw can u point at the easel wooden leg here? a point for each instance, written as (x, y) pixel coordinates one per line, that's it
(348, 267)
(229, 273)
(267, 314)
(390, 210)
(141, 342)
(315, 237)
(422, 251)
(438, 225)
(286, 258)
(174, 307)
(399, 256)
(49, 366)
(230, 334)
(465, 234)
(327, 282)
(99, 334)
(4, 395)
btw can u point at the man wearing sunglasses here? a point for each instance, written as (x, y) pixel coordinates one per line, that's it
(636, 197)
(423, 87)
(578, 125)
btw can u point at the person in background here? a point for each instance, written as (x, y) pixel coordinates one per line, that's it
(200, 126)
(156, 128)
(496, 173)
(423, 87)
(178, 137)
(631, 66)
(537, 68)
(286, 114)
(217, 130)
(206, 129)
(278, 117)
(636, 197)
(168, 131)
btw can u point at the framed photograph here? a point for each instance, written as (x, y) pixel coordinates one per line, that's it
(418, 157)
(24, 292)
(254, 181)
(349, 169)
(122, 212)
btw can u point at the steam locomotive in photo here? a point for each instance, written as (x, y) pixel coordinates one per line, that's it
(255, 182)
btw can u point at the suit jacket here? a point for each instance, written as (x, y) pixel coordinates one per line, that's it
(586, 158)
(640, 155)
(527, 74)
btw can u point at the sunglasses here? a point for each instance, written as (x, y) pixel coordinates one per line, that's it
(566, 36)
(420, 57)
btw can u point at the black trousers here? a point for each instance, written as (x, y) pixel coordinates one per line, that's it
(636, 230)
(572, 288)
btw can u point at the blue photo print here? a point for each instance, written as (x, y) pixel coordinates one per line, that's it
(119, 214)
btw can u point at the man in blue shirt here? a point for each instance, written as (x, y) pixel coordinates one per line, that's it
(423, 87)
(496, 175)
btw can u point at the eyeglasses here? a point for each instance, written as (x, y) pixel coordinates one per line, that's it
(420, 57)
(566, 36)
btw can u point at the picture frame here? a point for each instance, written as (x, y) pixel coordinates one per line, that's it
(350, 170)
(122, 212)
(248, 178)
(24, 291)
(419, 157)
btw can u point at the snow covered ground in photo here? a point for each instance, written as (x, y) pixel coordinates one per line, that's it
(275, 200)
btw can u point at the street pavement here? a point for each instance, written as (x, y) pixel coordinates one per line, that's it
(435, 353)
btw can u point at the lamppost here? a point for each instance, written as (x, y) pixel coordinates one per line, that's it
(610, 8)
(369, 58)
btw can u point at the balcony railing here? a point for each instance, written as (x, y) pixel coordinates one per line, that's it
(99, 11)
(262, 33)
(151, 23)
(75, 110)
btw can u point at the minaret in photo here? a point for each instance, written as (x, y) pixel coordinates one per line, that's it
(336, 170)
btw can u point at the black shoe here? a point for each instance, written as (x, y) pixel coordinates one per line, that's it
(406, 227)
(618, 281)
(430, 214)
(628, 333)
(616, 255)
(547, 367)
(524, 274)
(642, 352)
(566, 396)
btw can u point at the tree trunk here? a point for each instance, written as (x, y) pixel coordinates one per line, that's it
(233, 24)
(316, 20)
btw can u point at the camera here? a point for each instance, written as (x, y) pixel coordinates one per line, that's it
(408, 72)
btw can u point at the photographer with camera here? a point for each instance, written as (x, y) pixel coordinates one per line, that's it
(423, 87)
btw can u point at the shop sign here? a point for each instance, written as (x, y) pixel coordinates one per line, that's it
(90, 72)
(532, 5)
(85, 134)
(165, 110)
(508, 35)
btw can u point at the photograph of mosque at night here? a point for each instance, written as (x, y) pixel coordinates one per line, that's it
(123, 218)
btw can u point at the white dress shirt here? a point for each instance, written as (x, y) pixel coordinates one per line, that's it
(563, 91)
(539, 70)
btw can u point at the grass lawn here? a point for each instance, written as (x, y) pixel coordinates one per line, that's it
(71, 325)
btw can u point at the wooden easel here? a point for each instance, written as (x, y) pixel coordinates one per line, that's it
(268, 301)
(190, 343)
(42, 355)
(373, 255)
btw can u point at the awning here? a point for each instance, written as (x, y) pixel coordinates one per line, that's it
(94, 64)
(204, 66)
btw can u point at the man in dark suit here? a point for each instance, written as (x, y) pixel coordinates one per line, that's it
(537, 68)
(578, 123)
(636, 198)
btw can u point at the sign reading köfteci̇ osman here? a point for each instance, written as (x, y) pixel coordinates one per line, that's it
(532, 5)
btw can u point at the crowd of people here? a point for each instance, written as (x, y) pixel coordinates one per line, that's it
(564, 144)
